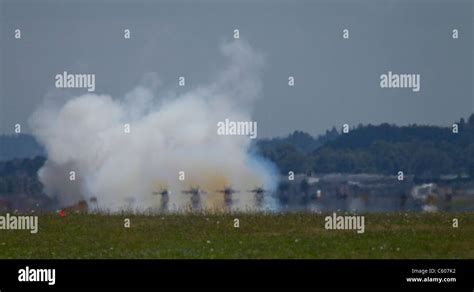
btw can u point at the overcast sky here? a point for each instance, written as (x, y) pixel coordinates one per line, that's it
(337, 81)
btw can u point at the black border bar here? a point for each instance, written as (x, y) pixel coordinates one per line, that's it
(240, 274)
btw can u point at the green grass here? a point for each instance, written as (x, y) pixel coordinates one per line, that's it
(292, 235)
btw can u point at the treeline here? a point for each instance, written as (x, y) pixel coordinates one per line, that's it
(425, 151)
(19, 146)
(19, 176)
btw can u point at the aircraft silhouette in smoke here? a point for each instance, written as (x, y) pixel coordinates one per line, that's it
(195, 193)
(228, 191)
(259, 194)
(165, 197)
(258, 190)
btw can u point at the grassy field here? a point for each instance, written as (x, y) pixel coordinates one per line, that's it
(292, 235)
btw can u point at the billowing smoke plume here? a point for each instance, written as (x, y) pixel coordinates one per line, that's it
(169, 133)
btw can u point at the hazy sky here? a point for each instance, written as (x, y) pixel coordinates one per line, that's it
(337, 80)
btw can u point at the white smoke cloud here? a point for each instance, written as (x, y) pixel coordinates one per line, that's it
(168, 135)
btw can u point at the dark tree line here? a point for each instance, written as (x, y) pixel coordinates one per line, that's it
(425, 151)
(19, 146)
(19, 176)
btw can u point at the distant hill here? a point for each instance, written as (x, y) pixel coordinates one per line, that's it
(301, 141)
(19, 146)
(425, 151)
